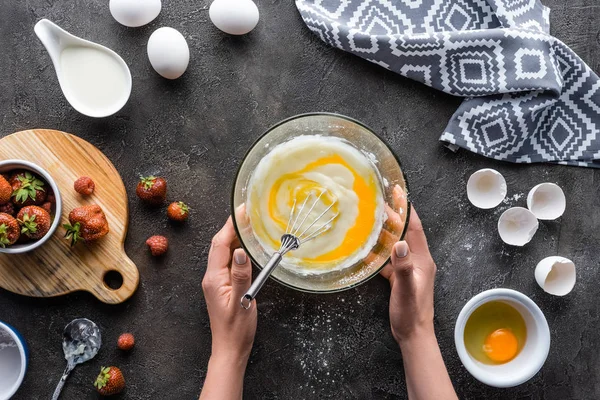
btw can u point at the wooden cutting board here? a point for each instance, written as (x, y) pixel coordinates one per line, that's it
(55, 268)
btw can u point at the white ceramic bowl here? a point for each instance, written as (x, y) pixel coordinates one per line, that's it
(531, 358)
(13, 361)
(56, 40)
(9, 165)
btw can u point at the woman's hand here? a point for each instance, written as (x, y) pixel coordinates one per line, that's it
(411, 274)
(228, 276)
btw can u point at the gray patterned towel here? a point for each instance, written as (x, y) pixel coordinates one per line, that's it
(529, 98)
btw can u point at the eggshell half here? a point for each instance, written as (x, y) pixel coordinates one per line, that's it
(168, 52)
(134, 13)
(517, 226)
(556, 275)
(546, 201)
(486, 188)
(236, 17)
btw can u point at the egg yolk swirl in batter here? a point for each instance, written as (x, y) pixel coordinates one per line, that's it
(366, 192)
(349, 184)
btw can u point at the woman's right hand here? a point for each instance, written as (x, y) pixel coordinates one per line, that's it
(228, 276)
(412, 274)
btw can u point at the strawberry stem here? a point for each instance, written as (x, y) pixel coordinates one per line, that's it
(102, 378)
(184, 207)
(147, 181)
(29, 185)
(73, 232)
(4, 236)
(28, 224)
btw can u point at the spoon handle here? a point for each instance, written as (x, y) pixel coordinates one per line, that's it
(61, 383)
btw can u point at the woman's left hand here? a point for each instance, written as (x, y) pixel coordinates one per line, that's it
(225, 282)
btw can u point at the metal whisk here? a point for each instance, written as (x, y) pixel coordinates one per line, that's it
(295, 235)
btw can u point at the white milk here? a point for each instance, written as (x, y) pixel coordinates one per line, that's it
(94, 79)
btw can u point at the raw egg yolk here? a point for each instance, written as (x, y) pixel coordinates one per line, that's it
(501, 345)
(366, 192)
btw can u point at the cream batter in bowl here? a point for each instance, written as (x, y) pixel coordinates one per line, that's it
(361, 190)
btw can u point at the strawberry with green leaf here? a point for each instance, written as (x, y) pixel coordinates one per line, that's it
(178, 211)
(28, 189)
(110, 381)
(152, 190)
(9, 230)
(87, 223)
(34, 221)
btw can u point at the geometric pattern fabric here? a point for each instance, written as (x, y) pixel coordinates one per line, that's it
(528, 97)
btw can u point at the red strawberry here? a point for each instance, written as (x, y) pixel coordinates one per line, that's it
(126, 342)
(35, 222)
(8, 208)
(28, 189)
(51, 197)
(84, 185)
(5, 190)
(48, 207)
(110, 381)
(88, 223)
(9, 230)
(152, 190)
(158, 245)
(178, 211)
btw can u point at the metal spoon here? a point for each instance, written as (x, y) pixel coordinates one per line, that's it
(81, 342)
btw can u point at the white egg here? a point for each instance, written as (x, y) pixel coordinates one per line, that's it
(547, 201)
(134, 13)
(486, 188)
(236, 17)
(517, 226)
(168, 52)
(556, 275)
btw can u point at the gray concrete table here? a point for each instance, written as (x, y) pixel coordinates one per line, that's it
(195, 131)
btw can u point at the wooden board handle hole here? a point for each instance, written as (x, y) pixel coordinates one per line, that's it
(113, 280)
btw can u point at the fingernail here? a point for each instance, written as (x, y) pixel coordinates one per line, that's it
(240, 257)
(401, 249)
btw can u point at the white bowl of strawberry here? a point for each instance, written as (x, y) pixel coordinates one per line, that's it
(30, 206)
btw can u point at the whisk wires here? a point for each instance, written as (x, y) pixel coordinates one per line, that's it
(295, 232)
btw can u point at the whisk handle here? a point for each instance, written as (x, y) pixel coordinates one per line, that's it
(260, 280)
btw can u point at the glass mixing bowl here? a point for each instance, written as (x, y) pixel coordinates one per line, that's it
(392, 181)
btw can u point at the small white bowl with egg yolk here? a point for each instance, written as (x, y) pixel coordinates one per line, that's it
(530, 358)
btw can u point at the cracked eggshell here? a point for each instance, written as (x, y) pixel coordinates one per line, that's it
(517, 226)
(556, 275)
(486, 188)
(236, 17)
(134, 13)
(546, 201)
